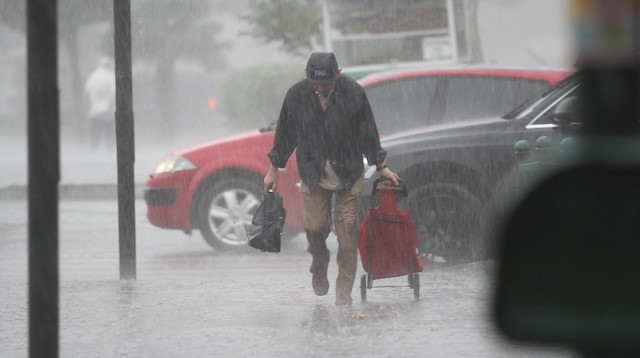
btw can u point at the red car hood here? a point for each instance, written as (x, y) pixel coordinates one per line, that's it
(241, 148)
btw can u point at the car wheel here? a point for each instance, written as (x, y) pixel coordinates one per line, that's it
(449, 223)
(225, 212)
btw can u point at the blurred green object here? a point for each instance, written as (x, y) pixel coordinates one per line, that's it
(547, 156)
(252, 97)
(357, 74)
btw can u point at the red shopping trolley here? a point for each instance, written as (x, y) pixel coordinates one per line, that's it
(389, 242)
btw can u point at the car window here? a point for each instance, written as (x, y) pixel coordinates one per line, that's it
(544, 117)
(402, 104)
(480, 96)
(542, 99)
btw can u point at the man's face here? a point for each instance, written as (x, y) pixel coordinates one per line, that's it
(324, 90)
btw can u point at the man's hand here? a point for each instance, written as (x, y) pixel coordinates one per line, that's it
(271, 179)
(389, 175)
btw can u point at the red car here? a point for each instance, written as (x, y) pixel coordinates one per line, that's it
(215, 186)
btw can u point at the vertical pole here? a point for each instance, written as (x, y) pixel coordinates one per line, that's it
(125, 138)
(326, 26)
(453, 36)
(43, 176)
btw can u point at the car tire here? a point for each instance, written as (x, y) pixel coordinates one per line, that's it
(449, 222)
(504, 195)
(225, 211)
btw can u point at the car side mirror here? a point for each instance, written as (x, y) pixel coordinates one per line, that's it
(567, 115)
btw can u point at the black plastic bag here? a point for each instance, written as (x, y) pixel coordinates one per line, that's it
(267, 224)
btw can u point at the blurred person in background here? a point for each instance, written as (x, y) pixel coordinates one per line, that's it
(101, 92)
(328, 119)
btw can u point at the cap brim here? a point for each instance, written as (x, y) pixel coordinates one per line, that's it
(321, 82)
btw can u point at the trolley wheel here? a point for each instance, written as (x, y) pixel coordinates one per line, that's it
(363, 287)
(416, 286)
(411, 269)
(369, 277)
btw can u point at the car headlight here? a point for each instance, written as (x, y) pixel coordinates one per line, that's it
(174, 164)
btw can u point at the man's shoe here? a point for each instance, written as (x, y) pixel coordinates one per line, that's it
(319, 267)
(343, 300)
(320, 282)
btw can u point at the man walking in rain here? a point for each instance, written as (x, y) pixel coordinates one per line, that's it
(101, 91)
(328, 119)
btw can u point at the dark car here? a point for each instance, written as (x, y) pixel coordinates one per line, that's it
(454, 171)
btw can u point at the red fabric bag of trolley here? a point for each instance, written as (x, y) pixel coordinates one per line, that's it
(388, 243)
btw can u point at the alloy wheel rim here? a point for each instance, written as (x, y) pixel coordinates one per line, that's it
(230, 215)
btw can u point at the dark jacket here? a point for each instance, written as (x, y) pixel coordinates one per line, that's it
(342, 134)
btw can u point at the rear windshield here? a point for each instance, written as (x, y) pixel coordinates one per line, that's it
(410, 103)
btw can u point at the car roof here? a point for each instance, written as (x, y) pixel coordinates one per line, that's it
(551, 75)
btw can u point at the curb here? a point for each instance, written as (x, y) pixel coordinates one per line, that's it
(72, 192)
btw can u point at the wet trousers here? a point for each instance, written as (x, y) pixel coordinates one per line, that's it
(317, 224)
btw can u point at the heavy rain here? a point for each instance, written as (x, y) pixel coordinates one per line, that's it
(209, 78)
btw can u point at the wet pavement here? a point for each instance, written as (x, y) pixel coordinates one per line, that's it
(190, 301)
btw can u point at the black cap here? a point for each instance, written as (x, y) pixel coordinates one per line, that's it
(322, 68)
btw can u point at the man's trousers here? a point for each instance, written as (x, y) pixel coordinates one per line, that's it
(317, 224)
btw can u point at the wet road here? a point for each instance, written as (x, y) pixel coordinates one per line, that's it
(190, 301)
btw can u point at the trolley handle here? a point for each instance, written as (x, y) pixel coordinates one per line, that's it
(402, 186)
